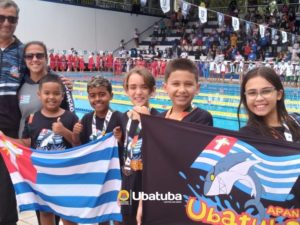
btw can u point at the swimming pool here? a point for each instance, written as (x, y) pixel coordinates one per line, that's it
(220, 99)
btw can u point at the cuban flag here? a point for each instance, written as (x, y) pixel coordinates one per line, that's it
(277, 175)
(79, 184)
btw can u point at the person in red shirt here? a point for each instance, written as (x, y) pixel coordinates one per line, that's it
(52, 61)
(81, 63)
(75, 62)
(118, 66)
(91, 64)
(56, 57)
(163, 67)
(247, 50)
(109, 62)
(98, 58)
(63, 64)
(154, 66)
(70, 61)
(59, 62)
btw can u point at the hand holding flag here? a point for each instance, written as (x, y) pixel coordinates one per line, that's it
(118, 133)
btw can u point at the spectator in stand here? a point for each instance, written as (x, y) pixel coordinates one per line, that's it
(136, 37)
(122, 44)
(233, 39)
(162, 27)
(247, 49)
(155, 30)
(297, 22)
(252, 56)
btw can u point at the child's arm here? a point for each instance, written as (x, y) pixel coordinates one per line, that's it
(139, 214)
(77, 129)
(59, 128)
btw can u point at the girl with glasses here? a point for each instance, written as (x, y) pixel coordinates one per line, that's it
(262, 95)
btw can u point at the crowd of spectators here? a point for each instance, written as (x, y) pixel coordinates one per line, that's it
(187, 35)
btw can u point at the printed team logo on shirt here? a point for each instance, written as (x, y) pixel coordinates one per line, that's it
(14, 72)
(24, 99)
(48, 140)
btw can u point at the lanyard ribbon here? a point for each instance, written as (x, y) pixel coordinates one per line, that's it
(287, 133)
(105, 125)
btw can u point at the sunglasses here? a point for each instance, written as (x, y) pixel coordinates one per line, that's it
(30, 56)
(10, 19)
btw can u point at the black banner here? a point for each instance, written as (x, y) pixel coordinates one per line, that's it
(195, 174)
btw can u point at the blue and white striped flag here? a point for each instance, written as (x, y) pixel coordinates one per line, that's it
(79, 184)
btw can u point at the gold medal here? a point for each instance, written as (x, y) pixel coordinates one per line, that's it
(136, 165)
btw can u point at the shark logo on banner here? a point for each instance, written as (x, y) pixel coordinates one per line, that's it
(202, 14)
(143, 3)
(79, 184)
(284, 36)
(220, 19)
(262, 30)
(165, 5)
(185, 9)
(224, 178)
(235, 23)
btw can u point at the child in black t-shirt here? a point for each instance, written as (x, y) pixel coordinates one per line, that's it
(139, 85)
(181, 84)
(102, 120)
(50, 128)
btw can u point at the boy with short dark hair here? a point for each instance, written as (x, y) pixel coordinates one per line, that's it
(103, 119)
(181, 84)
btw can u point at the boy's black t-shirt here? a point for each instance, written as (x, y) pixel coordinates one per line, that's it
(197, 115)
(87, 121)
(132, 182)
(39, 130)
